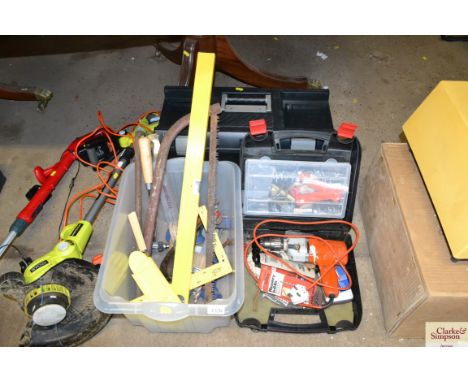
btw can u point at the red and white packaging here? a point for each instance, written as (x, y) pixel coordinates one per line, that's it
(286, 285)
(306, 269)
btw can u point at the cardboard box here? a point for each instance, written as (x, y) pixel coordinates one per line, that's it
(416, 278)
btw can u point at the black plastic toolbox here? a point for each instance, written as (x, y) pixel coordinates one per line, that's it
(283, 111)
(300, 128)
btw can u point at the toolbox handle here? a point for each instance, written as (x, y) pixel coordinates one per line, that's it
(323, 137)
(320, 327)
(245, 102)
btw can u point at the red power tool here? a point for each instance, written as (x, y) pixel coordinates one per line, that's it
(93, 149)
(326, 254)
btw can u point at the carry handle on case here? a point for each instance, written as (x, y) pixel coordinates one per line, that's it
(312, 141)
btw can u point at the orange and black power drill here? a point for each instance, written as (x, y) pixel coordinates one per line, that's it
(323, 253)
(325, 258)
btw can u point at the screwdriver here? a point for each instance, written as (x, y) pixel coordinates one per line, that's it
(144, 145)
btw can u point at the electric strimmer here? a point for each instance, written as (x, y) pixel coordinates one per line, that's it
(55, 290)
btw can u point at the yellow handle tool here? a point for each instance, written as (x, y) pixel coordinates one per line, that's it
(144, 144)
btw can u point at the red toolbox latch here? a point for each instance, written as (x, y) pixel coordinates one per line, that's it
(346, 130)
(257, 127)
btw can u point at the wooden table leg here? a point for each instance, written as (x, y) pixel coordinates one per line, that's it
(227, 62)
(174, 55)
(190, 48)
(18, 93)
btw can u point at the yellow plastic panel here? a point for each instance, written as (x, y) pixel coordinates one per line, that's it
(437, 133)
(150, 279)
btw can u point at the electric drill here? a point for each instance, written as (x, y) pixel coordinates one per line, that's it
(323, 253)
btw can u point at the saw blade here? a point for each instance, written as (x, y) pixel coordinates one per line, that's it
(211, 203)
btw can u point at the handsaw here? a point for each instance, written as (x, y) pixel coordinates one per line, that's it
(181, 281)
(211, 203)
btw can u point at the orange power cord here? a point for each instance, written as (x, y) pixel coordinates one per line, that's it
(103, 168)
(314, 282)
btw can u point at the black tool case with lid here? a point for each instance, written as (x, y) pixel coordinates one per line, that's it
(300, 129)
(284, 111)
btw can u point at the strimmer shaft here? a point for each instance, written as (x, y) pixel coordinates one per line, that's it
(6, 243)
(124, 160)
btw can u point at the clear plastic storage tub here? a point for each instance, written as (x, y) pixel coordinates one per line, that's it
(115, 287)
(295, 188)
